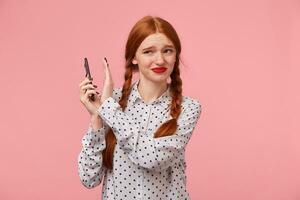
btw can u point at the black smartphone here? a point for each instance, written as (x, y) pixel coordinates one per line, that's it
(88, 74)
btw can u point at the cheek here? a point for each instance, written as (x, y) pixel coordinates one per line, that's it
(171, 59)
(145, 61)
(171, 70)
(144, 67)
(172, 62)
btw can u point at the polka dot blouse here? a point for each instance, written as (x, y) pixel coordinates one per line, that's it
(143, 167)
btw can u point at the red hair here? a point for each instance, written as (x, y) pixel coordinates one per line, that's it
(143, 28)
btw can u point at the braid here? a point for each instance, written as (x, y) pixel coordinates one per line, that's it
(170, 126)
(176, 88)
(126, 87)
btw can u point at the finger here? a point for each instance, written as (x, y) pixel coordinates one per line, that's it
(84, 82)
(105, 65)
(104, 62)
(84, 88)
(88, 86)
(84, 91)
(104, 68)
(89, 93)
(107, 71)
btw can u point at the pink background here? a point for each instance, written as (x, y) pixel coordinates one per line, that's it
(241, 61)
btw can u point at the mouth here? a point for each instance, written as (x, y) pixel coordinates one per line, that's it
(159, 69)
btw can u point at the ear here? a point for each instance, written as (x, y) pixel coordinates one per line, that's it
(134, 61)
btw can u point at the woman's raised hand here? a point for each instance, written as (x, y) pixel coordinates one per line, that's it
(86, 89)
(108, 84)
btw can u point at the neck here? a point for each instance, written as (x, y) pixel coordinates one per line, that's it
(150, 91)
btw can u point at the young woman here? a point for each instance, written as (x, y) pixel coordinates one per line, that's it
(138, 133)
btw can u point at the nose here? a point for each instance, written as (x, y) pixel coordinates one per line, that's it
(160, 59)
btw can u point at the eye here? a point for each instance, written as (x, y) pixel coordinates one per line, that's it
(146, 52)
(171, 50)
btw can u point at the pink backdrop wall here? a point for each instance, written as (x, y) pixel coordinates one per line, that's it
(241, 61)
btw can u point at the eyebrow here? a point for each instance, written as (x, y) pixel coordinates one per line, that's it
(170, 46)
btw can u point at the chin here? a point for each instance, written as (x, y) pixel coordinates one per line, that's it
(161, 79)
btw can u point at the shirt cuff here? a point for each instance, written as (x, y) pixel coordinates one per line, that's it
(108, 107)
(96, 133)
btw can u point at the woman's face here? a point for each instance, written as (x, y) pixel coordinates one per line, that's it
(155, 51)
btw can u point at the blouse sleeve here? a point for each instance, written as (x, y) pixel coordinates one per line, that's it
(148, 152)
(90, 168)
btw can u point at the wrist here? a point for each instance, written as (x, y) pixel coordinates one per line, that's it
(96, 122)
(95, 117)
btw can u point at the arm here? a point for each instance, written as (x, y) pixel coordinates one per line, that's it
(90, 168)
(148, 152)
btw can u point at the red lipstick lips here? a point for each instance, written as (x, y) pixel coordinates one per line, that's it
(159, 69)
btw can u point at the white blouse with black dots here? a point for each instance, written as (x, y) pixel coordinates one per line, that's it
(143, 167)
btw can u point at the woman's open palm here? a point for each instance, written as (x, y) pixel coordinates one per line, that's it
(108, 84)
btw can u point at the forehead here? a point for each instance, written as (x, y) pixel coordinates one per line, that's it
(156, 39)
